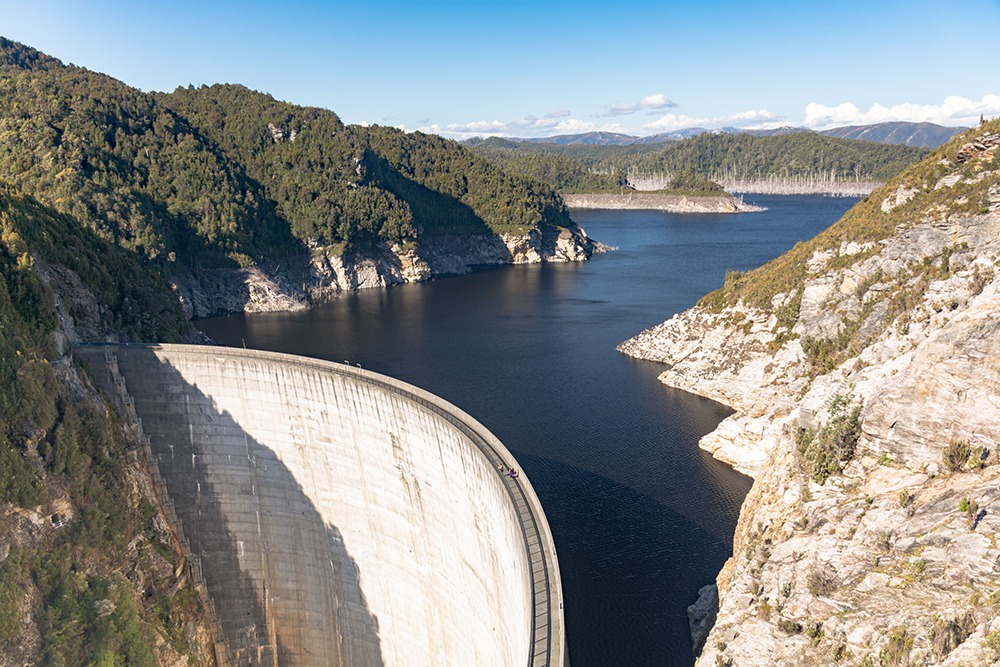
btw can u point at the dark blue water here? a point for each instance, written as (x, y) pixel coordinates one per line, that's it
(641, 517)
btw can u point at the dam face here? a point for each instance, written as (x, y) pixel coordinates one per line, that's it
(341, 517)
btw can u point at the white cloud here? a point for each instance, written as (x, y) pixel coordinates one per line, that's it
(751, 119)
(954, 110)
(651, 103)
(528, 126)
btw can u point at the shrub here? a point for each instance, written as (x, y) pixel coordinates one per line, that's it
(825, 452)
(838, 652)
(896, 652)
(955, 455)
(946, 636)
(822, 582)
(971, 509)
(905, 498)
(993, 642)
(789, 627)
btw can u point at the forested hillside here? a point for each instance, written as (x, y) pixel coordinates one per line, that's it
(87, 573)
(801, 154)
(107, 196)
(336, 183)
(700, 163)
(130, 169)
(569, 175)
(227, 176)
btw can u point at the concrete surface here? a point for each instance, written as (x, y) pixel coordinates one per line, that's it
(343, 517)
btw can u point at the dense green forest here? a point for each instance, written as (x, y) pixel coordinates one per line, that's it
(570, 175)
(746, 156)
(698, 162)
(60, 445)
(130, 169)
(223, 175)
(105, 193)
(350, 184)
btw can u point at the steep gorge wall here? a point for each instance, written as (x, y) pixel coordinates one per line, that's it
(342, 517)
(884, 551)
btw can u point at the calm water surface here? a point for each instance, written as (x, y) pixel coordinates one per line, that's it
(641, 517)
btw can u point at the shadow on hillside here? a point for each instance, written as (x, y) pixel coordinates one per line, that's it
(285, 588)
(434, 212)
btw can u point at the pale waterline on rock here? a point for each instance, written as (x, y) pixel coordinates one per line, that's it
(671, 203)
(297, 282)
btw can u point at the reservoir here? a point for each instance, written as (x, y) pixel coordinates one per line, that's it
(641, 517)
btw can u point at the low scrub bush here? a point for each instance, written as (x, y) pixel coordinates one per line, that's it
(896, 652)
(955, 455)
(825, 452)
(947, 635)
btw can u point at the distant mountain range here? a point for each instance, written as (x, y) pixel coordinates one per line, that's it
(924, 135)
(927, 135)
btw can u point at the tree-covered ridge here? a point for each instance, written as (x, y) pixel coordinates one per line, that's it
(559, 171)
(71, 583)
(128, 167)
(224, 175)
(745, 156)
(504, 202)
(571, 175)
(303, 158)
(715, 157)
(351, 185)
(699, 163)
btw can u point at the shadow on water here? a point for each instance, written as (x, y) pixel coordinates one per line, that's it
(285, 588)
(606, 576)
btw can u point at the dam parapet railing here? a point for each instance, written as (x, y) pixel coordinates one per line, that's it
(548, 646)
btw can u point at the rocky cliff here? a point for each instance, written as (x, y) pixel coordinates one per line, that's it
(864, 368)
(722, 203)
(299, 281)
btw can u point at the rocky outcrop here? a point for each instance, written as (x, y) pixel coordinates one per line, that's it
(722, 203)
(298, 281)
(889, 556)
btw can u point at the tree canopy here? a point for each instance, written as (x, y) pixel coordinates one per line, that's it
(224, 175)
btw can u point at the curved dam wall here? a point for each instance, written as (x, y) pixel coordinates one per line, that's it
(342, 517)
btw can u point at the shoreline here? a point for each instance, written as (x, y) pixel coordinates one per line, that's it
(672, 203)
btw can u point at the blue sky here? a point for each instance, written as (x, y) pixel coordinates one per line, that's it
(540, 68)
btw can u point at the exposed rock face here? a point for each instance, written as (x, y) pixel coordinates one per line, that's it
(723, 203)
(894, 559)
(701, 616)
(300, 280)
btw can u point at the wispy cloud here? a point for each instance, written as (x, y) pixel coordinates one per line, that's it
(954, 110)
(751, 119)
(528, 126)
(650, 103)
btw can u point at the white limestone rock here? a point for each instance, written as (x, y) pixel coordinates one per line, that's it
(886, 547)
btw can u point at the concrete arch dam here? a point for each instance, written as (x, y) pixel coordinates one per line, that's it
(341, 517)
